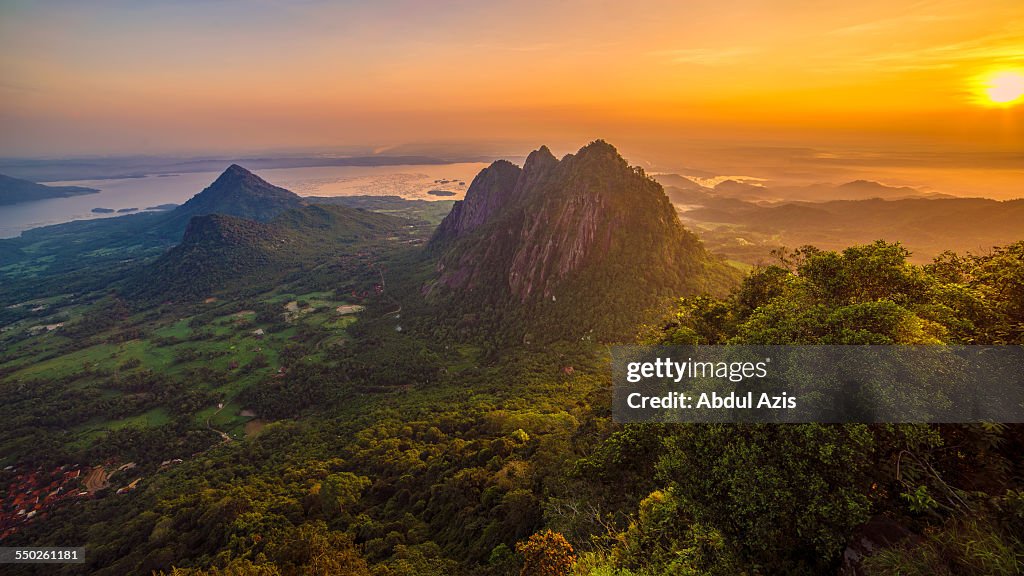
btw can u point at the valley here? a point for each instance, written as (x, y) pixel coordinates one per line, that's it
(256, 382)
(570, 288)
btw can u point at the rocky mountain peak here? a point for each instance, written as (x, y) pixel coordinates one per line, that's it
(540, 160)
(565, 224)
(492, 188)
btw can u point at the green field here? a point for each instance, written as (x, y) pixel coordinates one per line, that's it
(219, 339)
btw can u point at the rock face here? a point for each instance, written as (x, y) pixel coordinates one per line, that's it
(586, 228)
(492, 188)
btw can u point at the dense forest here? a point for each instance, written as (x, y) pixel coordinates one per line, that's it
(420, 451)
(284, 291)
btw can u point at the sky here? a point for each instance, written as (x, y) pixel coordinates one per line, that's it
(200, 76)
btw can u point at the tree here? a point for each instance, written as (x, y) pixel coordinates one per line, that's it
(340, 491)
(546, 554)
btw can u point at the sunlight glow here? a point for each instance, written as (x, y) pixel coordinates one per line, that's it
(1004, 88)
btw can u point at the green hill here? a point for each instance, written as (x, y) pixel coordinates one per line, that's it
(236, 192)
(219, 251)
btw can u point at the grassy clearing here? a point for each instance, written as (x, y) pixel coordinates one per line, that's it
(98, 356)
(23, 268)
(468, 356)
(151, 419)
(229, 421)
(741, 266)
(169, 346)
(179, 329)
(92, 431)
(86, 438)
(205, 414)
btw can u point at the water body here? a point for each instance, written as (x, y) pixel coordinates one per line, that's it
(413, 182)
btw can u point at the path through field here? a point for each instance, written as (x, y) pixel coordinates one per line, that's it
(224, 435)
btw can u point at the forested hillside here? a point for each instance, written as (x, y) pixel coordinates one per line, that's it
(333, 310)
(447, 465)
(219, 251)
(726, 499)
(325, 389)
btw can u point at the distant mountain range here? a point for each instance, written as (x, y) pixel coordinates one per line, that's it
(16, 190)
(526, 247)
(141, 166)
(748, 231)
(684, 190)
(746, 222)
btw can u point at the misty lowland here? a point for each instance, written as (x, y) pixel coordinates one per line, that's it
(257, 382)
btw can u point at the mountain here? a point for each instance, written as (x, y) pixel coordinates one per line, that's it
(16, 190)
(544, 246)
(492, 188)
(219, 252)
(214, 250)
(679, 181)
(736, 189)
(236, 192)
(855, 190)
(98, 251)
(747, 231)
(865, 189)
(683, 190)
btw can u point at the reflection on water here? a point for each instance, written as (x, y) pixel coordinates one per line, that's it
(143, 193)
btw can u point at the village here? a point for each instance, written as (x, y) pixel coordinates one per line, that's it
(33, 494)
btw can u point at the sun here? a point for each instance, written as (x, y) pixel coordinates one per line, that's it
(1002, 89)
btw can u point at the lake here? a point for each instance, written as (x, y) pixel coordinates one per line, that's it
(412, 182)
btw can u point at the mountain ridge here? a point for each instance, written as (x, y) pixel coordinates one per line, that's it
(586, 230)
(683, 190)
(17, 190)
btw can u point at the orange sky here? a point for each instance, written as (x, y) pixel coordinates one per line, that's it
(196, 76)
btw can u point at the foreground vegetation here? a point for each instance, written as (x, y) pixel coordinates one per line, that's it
(417, 451)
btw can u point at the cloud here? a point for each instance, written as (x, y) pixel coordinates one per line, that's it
(534, 47)
(998, 49)
(901, 23)
(991, 50)
(8, 86)
(706, 56)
